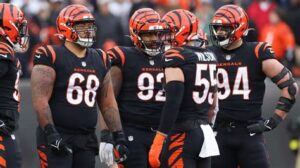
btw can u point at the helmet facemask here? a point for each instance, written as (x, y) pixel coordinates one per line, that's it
(22, 40)
(86, 33)
(222, 35)
(152, 41)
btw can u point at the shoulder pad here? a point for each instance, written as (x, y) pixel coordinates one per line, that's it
(6, 52)
(45, 55)
(264, 51)
(117, 56)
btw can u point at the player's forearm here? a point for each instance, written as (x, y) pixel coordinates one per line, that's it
(43, 115)
(112, 118)
(116, 78)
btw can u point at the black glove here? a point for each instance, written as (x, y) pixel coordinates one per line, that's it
(4, 130)
(263, 126)
(55, 141)
(121, 151)
(106, 136)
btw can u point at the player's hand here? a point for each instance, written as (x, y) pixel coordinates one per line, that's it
(4, 130)
(121, 150)
(106, 148)
(263, 126)
(156, 149)
(55, 141)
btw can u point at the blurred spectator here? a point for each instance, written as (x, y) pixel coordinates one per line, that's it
(252, 33)
(279, 35)
(205, 12)
(137, 4)
(121, 9)
(83, 2)
(259, 11)
(293, 18)
(190, 5)
(108, 26)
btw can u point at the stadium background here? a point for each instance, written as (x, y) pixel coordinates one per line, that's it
(283, 33)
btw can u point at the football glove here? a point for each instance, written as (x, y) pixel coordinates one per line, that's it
(156, 149)
(121, 150)
(106, 148)
(4, 130)
(263, 126)
(55, 140)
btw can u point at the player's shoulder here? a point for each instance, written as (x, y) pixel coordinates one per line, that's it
(6, 52)
(98, 53)
(175, 57)
(48, 52)
(263, 50)
(122, 54)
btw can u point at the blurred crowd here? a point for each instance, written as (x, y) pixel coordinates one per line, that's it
(277, 22)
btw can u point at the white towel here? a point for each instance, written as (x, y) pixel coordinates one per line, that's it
(210, 146)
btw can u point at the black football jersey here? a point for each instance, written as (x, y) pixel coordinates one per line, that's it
(9, 83)
(199, 69)
(73, 100)
(241, 84)
(141, 96)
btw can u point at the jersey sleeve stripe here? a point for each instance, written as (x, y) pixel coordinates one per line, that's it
(104, 58)
(3, 51)
(111, 54)
(42, 50)
(257, 49)
(53, 54)
(120, 52)
(7, 47)
(175, 55)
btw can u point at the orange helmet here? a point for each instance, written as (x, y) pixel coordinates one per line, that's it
(232, 19)
(146, 21)
(13, 27)
(184, 24)
(71, 16)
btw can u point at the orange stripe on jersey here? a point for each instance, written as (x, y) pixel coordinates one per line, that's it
(257, 49)
(266, 46)
(2, 162)
(104, 58)
(120, 52)
(6, 48)
(2, 147)
(172, 51)
(53, 54)
(42, 50)
(111, 54)
(178, 164)
(175, 55)
(178, 141)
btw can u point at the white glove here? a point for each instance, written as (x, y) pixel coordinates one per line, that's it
(106, 153)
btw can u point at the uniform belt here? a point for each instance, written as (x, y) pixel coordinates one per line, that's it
(189, 124)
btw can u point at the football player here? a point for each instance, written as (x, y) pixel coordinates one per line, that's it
(137, 76)
(190, 85)
(13, 38)
(67, 82)
(242, 69)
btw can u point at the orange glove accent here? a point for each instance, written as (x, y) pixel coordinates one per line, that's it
(155, 149)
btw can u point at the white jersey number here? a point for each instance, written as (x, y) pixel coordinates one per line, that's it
(200, 81)
(240, 86)
(76, 94)
(146, 83)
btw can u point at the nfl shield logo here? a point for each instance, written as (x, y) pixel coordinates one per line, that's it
(228, 57)
(83, 63)
(151, 62)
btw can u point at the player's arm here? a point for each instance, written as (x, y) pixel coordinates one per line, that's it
(3, 68)
(117, 79)
(110, 112)
(212, 112)
(42, 82)
(174, 93)
(282, 77)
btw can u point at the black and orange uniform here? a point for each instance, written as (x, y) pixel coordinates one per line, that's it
(140, 99)
(10, 71)
(72, 103)
(184, 141)
(241, 90)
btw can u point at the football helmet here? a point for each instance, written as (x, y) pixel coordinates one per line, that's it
(147, 22)
(13, 27)
(184, 24)
(75, 23)
(233, 21)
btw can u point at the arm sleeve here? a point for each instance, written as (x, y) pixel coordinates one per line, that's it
(174, 96)
(3, 68)
(116, 56)
(44, 55)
